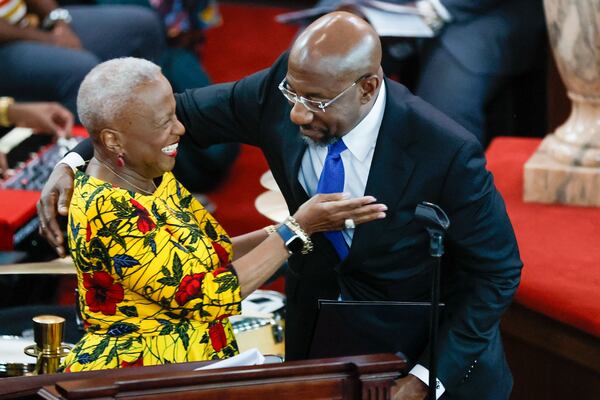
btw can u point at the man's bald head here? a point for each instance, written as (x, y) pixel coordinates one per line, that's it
(340, 44)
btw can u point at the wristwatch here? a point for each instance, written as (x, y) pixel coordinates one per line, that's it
(56, 15)
(293, 242)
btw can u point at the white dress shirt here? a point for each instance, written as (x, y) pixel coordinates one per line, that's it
(360, 142)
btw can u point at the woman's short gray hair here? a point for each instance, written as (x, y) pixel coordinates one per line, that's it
(109, 87)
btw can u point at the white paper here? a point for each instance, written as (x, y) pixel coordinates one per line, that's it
(262, 302)
(247, 358)
(396, 24)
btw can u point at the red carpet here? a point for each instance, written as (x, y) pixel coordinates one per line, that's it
(558, 244)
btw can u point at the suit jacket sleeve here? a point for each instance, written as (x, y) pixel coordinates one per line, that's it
(486, 258)
(230, 112)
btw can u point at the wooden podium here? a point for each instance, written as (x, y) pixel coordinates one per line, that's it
(356, 377)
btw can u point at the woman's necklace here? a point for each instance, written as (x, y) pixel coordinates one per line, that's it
(127, 180)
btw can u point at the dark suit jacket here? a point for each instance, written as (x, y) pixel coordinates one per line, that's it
(420, 155)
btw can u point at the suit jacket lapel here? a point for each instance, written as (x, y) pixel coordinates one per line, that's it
(293, 150)
(390, 171)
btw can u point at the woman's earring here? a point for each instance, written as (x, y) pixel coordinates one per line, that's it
(120, 160)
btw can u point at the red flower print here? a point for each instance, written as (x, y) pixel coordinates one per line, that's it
(221, 253)
(137, 363)
(217, 336)
(219, 271)
(88, 232)
(102, 293)
(144, 222)
(189, 288)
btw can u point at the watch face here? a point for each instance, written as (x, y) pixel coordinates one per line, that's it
(295, 244)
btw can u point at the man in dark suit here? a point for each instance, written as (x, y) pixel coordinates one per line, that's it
(398, 149)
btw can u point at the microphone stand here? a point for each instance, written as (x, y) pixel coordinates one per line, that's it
(435, 222)
(436, 250)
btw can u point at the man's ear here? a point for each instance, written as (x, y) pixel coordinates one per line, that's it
(110, 140)
(369, 87)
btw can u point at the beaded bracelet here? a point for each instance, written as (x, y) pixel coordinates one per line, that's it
(271, 229)
(291, 223)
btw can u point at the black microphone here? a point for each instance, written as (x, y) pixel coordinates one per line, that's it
(436, 222)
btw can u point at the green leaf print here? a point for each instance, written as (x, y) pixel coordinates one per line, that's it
(181, 330)
(112, 354)
(184, 216)
(99, 255)
(93, 195)
(185, 202)
(125, 345)
(168, 281)
(210, 231)
(129, 311)
(227, 282)
(205, 338)
(123, 209)
(166, 330)
(100, 349)
(161, 219)
(177, 268)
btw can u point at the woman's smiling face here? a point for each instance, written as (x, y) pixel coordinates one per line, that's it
(150, 130)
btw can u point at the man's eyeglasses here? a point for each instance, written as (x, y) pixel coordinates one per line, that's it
(314, 105)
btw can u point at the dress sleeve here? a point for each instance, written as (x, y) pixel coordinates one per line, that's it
(137, 244)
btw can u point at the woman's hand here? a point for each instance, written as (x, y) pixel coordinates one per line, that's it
(327, 212)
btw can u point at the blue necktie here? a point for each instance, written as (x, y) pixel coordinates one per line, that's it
(332, 181)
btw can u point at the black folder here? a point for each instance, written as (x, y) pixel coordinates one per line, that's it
(345, 328)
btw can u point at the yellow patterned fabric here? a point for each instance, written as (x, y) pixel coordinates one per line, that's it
(154, 277)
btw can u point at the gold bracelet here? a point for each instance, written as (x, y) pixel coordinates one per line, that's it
(271, 229)
(5, 102)
(291, 223)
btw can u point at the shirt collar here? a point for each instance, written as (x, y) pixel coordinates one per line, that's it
(362, 138)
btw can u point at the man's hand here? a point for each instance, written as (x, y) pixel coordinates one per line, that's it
(55, 198)
(42, 117)
(409, 388)
(327, 212)
(63, 36)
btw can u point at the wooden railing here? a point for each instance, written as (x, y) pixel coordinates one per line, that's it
(357, 377)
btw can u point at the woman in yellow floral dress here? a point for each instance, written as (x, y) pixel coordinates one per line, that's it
(156, 274)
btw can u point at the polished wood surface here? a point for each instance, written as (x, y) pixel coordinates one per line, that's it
(59, 266)
(357, 377)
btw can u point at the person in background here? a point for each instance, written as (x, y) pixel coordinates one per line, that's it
(45, 118)
(158, 276)
(47, 50)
